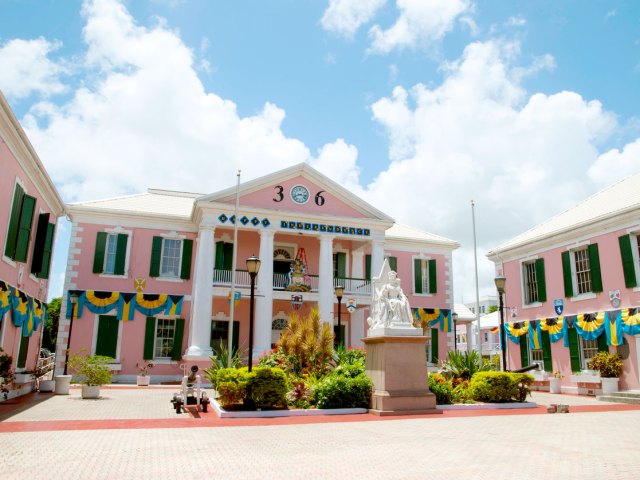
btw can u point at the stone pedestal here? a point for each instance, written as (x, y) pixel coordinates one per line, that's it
(398, 368)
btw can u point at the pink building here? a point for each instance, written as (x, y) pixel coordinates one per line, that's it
(29, 207)
(574, 283)
(154, 270)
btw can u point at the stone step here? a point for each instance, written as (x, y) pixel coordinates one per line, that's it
(615, 398)
(628, 393)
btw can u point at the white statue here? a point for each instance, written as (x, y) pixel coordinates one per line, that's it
(390, 309)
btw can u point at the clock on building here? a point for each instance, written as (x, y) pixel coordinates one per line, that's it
(300, 194)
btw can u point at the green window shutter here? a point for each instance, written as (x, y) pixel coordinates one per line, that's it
(417, 275)
(433, 278)
(22, 355)
(546, 352)
(24, 230)
(574, 350)
(628, 266)
(602, 342)
(524, 350)
(566, 272)
(227, 250)
(367, 267)
(219, 265)
(121, 254)
(187, 250)
(434, 345)
(156, 255)
(342, 264)
(176, 354)
(149, 338)
(107, 340)
(48, 250)
(594, 263)
(39, 242)
(98, 255)
(540, 278)
(14, 222)
(393, 263)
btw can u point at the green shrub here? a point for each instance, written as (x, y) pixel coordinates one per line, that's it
(441, 388)
(464, 365)
(608, 364)
(348, 370)
(497, 387)
(337, 391)
(267, 387)
(219, 361)
(460, 393)
(352, 356)
(93, 369)
(232, 385)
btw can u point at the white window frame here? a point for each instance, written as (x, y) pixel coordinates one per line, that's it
(163, 318)
(429, 346)
(583, 359)
(424, 266)
(574, 274)
(171, 236)
(115, 232)
(635, 252)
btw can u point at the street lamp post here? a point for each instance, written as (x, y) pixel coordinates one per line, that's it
(454, 317)
(339, 294)
(253, 266)
(500, 283)
(73, 298)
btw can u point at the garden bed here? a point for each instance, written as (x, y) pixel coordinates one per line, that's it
(222, 413)
(486, 406)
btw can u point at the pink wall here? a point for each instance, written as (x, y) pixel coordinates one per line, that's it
(612, 279)
(332, 205)
(9, 272)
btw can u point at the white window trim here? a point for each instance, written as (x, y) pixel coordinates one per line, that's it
(633, 234)
(574, 276)
(116, 231)
(94, 340)
(6, 259)
(523, 289)
(423, 258)
(583, 361)
(163, 360)
(171, 236)
(347, 267)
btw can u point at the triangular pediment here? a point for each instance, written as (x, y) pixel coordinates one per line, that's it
(299, 189)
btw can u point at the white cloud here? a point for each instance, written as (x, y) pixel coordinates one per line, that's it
(145, 120)
(338, 161)
(25, 68)
(516, 21)
(345, 17)
(615, 164)
(479, 135)
(420, 23)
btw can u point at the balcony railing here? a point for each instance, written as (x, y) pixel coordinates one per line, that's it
(352, 286)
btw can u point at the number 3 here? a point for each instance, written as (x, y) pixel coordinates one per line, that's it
(280, 195)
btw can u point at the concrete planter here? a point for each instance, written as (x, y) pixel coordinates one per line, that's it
(555, 385)
(90, 391)
(143, 380)
(22, 378)
(62, 384)
(609, 385)
(46, 385)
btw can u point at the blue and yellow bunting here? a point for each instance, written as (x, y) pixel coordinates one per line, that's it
(150, 303)
(515, 330)
(20, 308)
(430, 317)
(590, 325)
(535, 335)
(126, 306)
(613, 328)
(5, 299)
(630, 321)
(555, 327)
(100, 302)
(174, 305)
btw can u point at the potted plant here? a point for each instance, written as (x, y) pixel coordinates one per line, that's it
(6, 375)
(143, 380)
(555, 382)
(93, 370)
(610, 367)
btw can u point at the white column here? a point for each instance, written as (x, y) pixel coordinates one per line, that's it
(325, 280)
(377, 257)
(201, 308)
(264, 302)
(471, 338)
(356, 324)
(357, 264)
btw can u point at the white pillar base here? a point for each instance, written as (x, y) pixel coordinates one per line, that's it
(197, 352)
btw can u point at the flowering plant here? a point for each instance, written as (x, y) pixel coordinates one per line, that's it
(144, 367)
(557, 374)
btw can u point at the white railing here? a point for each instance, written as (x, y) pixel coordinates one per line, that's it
(352, 286)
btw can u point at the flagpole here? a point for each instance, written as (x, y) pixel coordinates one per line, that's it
(475, 261)
(234, 264)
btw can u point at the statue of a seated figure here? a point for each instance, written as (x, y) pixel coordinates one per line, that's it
(389, 305)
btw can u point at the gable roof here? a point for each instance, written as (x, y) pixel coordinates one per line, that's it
(405, 232)
(304, 170)
(617, 199)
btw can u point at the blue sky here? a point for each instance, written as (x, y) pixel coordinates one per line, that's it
(416, 105)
